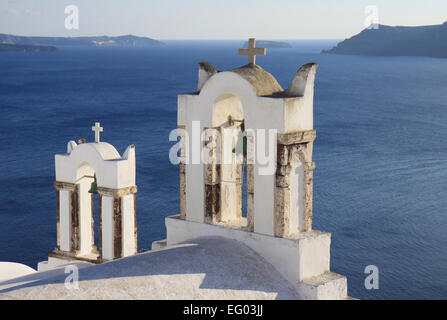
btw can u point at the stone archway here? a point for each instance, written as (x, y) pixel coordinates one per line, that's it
(226, 105)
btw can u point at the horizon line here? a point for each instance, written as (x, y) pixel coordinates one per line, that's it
(169, 39)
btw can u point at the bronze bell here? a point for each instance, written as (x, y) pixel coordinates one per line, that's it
(241, 145)
(94, 187)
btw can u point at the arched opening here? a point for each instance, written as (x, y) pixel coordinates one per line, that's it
(226, 198)
(227, 105)
(87, 232)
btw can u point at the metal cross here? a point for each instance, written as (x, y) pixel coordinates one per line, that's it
(252, 51)
(97, 128)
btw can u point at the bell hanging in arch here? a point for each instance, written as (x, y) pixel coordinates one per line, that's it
(241, 144)
(94, 187)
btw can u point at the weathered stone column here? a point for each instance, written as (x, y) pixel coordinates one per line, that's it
(250, 198)
(228, 175)
(282, 192)
(182, 173)
(211, 176)
(117, 228)
(294, 183)
(301, 159)
(67, 223)
(239, 182)
(75, 230)
(250, 180)
(118, 222)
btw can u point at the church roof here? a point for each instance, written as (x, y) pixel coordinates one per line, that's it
(105, 150)
(204, 268)
(264, 82)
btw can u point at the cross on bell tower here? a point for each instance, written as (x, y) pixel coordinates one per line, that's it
(97, 128)
(252, 51)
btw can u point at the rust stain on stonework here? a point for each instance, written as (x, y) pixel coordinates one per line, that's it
(212, 203)
(182, 176)
(118, 193)
(74, 220)
(117, 230)
(100, 225)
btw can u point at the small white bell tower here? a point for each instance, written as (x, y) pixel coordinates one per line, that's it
(86, 173)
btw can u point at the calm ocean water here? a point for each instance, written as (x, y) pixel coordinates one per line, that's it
(381, 148)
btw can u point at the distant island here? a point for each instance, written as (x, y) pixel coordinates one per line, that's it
(396, 41)
(269, 44)
(5, 47)
(129, 40)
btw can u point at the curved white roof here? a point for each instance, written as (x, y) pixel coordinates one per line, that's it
(104, 149)
(204, 268)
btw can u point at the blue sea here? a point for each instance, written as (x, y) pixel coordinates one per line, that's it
(381, 148)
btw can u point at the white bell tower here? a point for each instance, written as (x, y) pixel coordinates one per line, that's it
(86, 173)
(278, 128)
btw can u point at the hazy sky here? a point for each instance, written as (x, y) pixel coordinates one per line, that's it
(214, 19)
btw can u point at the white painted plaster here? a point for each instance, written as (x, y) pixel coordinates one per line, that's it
(232, 90)
(79, 166)
(128, 225)
(53, 263)
(11, 270)
(85, 216)
(228, 186)
(228, 93)
(299, 108)
(305, 256)
(107, 228)
(328, 286)
(192, 271)
(195, 193)
(298, 114)
(264, 199)
(65, 219)
(228, 200)
(112, 170)
(227, 105)
(296, 198)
